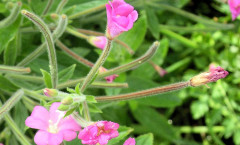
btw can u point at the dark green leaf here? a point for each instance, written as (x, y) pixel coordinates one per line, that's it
(47, 78)
(66, 74)
(123, 132)
(146, 139)
(152, 21)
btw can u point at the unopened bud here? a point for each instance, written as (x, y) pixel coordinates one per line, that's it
(50, 92)
(213, 75)
(98, 41)
(67, 100)
(63, 107)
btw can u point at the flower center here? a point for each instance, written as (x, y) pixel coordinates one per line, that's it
(102, 130)
(53, 127)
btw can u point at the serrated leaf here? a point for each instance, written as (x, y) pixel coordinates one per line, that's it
(93, 108)
(146, 139)
(152, 21)
(66, 74)
(91, 99)
(123, 132)
(47, 78)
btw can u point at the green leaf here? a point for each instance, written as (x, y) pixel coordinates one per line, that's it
(155, 122)
(146, 139)
(93, 108)
(7, 85)
(8, 34)
(47, 78)
(152, 21)
(123, 132)
(199, 109)
(162, 100)
(162, 52)
(236, 137)
(20, 115)
(10, 53)
(77, 89)
(135, 36)
(69, 112)
(91, 99)
(66, 74)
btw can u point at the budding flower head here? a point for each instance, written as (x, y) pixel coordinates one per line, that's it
(50, 92)
(67, 100)
(213, 75)
(98, 41)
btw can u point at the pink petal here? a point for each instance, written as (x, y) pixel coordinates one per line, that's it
(109, 14)
(124, 10)
(114, 134)
(117, 3)
(134, 15)
(36, 123)
(130, 141)
(40, 112)
(54, 112)
(121, 20)
(69, 123)
(69, 135)
(41, 137)
(103, 139)
(55, 139)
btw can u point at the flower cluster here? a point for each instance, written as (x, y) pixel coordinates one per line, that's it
(234, 6)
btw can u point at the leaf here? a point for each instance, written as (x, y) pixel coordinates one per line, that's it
(91, 99)
(123, 132)
(152, 21)
(66, 74)
(69, 112)
(135, 36)
(7, 85)
(155, 122)
(146, 139)
(20, 115)
(93, 108)
(47, 78)
(236, 137)
(8, 34)
(162, 52)
(162, 100)
(10, 53)
(77, 89)
(199, 109)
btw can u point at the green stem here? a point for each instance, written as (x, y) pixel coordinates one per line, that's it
(87, 11)
(61, 5)
(41, 49)
(190, 16)
(180, 38)
(76, 33)
(16, 131)
(97, 84)
(134, 64)
(144, 93)
(200, 129)
(47, 8)
(10, 103)
(34, 79)
(37, 96)
(13, 69)
(12, 17)
(80, 120)
(189, 29)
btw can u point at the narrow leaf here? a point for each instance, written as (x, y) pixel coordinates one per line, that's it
(47, 78)
(66, 74)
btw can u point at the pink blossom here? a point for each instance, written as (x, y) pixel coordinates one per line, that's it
(130, 141)
(214, 74)
(99, 41)
(234, 6)
(53, 128)
(109, 79)
(120, 17)
(1, 144)
(100, 132)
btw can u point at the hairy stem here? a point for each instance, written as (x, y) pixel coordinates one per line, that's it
(61, 5)
(13, 69)
(48, 6)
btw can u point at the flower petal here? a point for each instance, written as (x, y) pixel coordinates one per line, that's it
(55, 113)
(103, 139)
(124, 10)
(55, 139)
(69, 123)
(130, 141)
(41, 137)
(40, 113)
(69, 135)
(36, 123)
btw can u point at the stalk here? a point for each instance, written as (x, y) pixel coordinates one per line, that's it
(47, 8)
(144, 93)
(61, 5)
(14, 70)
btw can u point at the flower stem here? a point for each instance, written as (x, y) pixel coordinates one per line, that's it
(87, 11)
(47, 8)
(200, 129)
(76, 33)
(144, 93)
(61, 5)
(11, 102)
(13, 69)
(151, 51)
(41, 49)
(51, 49)
(80, 120)
(12, 17)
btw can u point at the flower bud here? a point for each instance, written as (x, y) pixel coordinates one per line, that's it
(63, 107)
(99, 41)
(67, 100)
(213, 75)
(50, 92)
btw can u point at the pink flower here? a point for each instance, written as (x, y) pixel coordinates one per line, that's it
(214, 74)
(1, 144)
(100, 132)
(120, 17)
(109, 79)
(53, 128)
(99, 41)
(130, 141)
(234, 6)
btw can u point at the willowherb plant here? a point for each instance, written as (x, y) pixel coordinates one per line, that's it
(69, 115)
